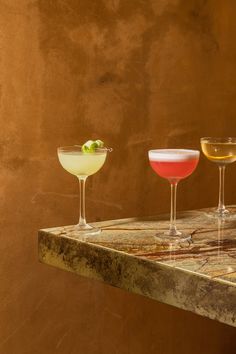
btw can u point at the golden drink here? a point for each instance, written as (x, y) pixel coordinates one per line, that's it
(220, 152)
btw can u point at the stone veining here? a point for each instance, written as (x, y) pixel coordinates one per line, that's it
(199, 276)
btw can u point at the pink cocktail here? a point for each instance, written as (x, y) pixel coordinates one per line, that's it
(174, 165)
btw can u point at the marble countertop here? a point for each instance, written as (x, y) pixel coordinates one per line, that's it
(198, 276)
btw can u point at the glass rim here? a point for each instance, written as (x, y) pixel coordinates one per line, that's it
(191, 151)
(209, 139)
(79, 148)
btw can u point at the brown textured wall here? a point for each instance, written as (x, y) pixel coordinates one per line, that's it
(137, 74)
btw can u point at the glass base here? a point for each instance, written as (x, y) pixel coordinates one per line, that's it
(169, 237)
(224, 215)
(86, 230)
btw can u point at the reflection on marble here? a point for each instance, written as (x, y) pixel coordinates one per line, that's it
(198, 276)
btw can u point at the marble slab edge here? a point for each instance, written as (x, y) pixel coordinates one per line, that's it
(180, 288)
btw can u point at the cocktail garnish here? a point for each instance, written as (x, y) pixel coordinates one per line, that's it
(91, 145)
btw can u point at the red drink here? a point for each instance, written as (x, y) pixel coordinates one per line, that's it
(174, 170)
(173, 165)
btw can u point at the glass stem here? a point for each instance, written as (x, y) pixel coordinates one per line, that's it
(221, 205)
(82, 219)
(173, 229)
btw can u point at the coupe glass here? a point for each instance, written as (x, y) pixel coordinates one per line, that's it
(173, 165)
(82, 165)
(222, 151)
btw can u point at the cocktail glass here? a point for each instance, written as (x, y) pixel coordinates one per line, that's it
(174, 165)
(82, 165)
(222, 151)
